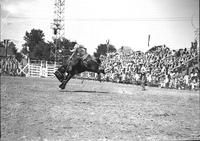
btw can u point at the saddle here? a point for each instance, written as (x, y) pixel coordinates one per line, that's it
(86, 59)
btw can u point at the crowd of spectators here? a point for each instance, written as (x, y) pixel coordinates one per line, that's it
(166, 68)
(9, 66)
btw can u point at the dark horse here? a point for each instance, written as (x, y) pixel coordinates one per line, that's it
(77, 65)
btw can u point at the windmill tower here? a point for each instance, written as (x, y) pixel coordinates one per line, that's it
(59, 18)
(58, 25)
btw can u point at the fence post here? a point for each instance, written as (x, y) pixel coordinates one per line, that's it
(28, 74)
(41, 69)
(46, 69)
(55, 66)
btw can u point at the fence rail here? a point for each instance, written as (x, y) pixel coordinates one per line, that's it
(42, 68)
(34, 70)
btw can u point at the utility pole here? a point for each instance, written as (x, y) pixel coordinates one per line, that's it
(6, 44)
(149, 36)
(0, 22)
(107, 45)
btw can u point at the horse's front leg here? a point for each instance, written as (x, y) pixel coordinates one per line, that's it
(64, 82)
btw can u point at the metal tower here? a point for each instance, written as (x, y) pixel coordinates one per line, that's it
(58, 26)
(59, 18)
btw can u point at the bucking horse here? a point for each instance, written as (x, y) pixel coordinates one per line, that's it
(80, 61)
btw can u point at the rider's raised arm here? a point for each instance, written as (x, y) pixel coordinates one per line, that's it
(75, 48)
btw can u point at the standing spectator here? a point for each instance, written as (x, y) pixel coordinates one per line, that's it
(167, 80)
(149, 79)
(186, 80)
(143, 71)
(123, 77)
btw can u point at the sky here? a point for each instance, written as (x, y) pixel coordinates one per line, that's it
(92, 22)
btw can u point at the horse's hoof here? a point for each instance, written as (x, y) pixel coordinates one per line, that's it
(62, 86)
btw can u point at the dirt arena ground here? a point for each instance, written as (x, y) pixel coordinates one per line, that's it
(34, 109)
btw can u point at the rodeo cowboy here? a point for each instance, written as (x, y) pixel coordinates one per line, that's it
(80, 52)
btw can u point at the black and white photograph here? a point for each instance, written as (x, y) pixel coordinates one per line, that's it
(99, 70)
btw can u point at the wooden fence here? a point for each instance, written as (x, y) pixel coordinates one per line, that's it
(41, 68)
(32, 68)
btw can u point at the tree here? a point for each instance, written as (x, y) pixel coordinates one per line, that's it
(103, 49)
(32, 39)
(41, 51)
(63, 47)
(1, 44)
(66, 46)
(25, 51)
(36, 48)
(12, 50)
(18, 56)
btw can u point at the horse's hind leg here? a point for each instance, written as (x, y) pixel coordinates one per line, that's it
(64, 82)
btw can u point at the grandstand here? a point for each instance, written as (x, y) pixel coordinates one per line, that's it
(167, 68)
